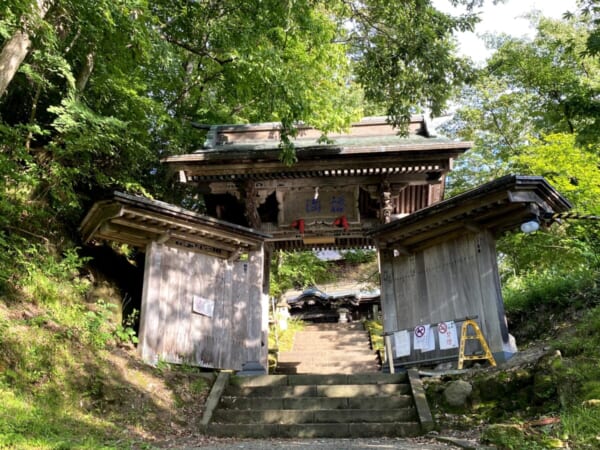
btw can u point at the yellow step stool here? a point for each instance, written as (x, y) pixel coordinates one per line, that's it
(464, 336)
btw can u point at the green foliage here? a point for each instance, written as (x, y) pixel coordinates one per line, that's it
(585, 339)
(359, 256)
(297, 270)
(515, 437)
(529, 90)
(285, 338)
(573, 170)
(375, 330)
(545, 288)
(125, 331)
(580, 425)
(580, 383)
(405, 55)
(96, 325)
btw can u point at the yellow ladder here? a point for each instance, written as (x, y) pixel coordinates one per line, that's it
(464, 336)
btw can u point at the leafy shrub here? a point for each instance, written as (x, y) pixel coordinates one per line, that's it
(359, 256)
(125, 331)
(297, 270)
(532, 289)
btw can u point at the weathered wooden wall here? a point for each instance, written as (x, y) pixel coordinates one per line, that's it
(450, 280)
(171, 331)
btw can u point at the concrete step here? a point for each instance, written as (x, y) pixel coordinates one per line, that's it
(297, 380)
(348, 390)
(354, 346)
(351, 356)
(316, 403)
(314, 430)
(329, 348)
(293, 368)
(312, 406)
(333, 326)
(296, 416)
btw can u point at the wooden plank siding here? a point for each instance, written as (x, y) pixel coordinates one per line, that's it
(454, 279)
(172, 332)
(440, 264)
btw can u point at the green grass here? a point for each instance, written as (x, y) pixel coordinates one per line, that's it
(571, 299)
(581, 426)
(375, 330)
(37, 422)
(529, 292)
(64, 384)
(285, 338)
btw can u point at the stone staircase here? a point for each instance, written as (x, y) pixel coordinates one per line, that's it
(329, 348)
(307, 406)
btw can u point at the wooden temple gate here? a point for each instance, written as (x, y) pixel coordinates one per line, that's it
(206, 279)
(440, 263)
(205, 299)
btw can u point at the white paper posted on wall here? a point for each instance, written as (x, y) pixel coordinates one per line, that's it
(447, 335)
(401, 344)
(424, 338)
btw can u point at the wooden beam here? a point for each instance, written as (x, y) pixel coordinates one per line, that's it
(157, 232)
(168, 222)
(440, 217)
(98, 215)
(413, 163)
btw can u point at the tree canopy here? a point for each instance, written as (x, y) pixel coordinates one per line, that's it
(534, 111)
(93, 94)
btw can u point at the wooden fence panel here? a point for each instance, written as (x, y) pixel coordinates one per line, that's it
(451, 280)
(171, 329)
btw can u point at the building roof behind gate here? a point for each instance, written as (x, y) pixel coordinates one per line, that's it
(370, 147)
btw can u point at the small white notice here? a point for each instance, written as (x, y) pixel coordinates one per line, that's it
(202, 305)
(447, 335)
(401, 344)
(424, 339)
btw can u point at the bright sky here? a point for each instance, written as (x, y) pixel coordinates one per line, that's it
(504, 18)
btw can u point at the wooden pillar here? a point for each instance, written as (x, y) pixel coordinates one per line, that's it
(150, 317)
(386, 202)
(388, 299)
(251, 204)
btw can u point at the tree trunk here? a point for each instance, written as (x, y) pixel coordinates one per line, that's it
(86, 72)
(16, 48)
(13, 54)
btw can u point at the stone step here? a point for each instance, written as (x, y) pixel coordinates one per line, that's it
(329, 348)
(297, 380)
(334, 331)
(312, 356)
(348, 390)
(333, 326)
(295, 368)
(331, 342)
(316, 403)
(290, 417)
(314, 430)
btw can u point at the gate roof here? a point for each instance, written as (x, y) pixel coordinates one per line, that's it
(498, 206)
(137, 221)
(370, 147)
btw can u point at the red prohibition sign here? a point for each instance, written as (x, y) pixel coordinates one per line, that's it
(442, 327)
(420, 331)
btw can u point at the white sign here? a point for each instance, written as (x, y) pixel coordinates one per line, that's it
(424, 338)
(204, 306)
(401, 344)
(447, 335)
